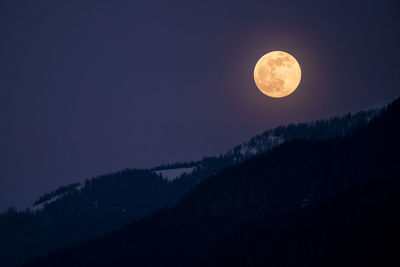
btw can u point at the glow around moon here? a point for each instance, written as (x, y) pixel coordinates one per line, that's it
(277, 74)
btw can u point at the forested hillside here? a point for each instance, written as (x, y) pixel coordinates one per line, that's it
(269, 187)
(78, 212)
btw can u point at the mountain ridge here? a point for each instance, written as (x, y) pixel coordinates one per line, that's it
(107, 202)
(263, 187)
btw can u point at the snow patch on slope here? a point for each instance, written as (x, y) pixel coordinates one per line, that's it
(172, 174)
(257, 145)
(45, 203)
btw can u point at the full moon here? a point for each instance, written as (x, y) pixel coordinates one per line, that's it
(277, 74)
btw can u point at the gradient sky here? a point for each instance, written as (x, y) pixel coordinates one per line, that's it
(90, 87)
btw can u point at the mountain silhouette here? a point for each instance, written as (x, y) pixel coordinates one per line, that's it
(79, 212)
(297, 177)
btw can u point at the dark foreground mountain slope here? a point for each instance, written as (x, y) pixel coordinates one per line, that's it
(103, 204)
(359, 227)
(282, 182)
(78, 212)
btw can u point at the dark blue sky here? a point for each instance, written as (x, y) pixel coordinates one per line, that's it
(89, 87)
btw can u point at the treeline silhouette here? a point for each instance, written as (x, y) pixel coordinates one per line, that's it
(74, 213)
(101, 205)
(296, 184)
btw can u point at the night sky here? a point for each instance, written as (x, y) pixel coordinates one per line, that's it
(90, 87)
